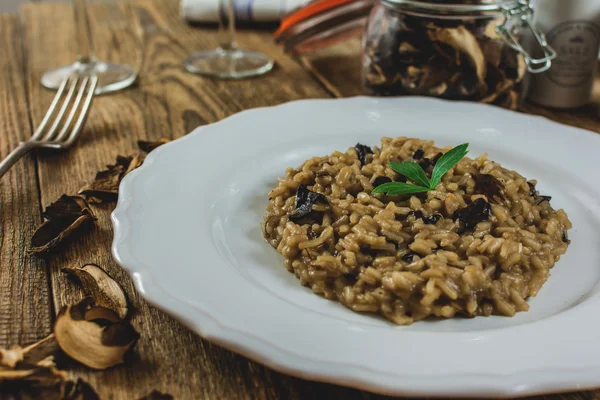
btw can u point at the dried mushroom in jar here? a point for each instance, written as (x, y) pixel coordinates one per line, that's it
(457, 58)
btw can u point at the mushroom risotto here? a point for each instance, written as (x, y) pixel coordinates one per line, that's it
(479, 242)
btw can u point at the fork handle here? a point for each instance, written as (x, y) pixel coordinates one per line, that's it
(14, 156)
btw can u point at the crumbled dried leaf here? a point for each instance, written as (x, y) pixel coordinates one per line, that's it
(95, 345)
(105, 186)
(64, 218)
(148, 146)
(156, 395)
(102, 287)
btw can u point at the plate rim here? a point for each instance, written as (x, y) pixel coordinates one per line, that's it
(209, 327)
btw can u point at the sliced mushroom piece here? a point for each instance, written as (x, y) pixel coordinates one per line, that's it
(438, 90)
(490, 186)
(10, 357)
(64, 218)
(492, 51)
(463, 41)
(497, 84)
(102, 287)
(476, 212)
(407, 48)
(513, 64)
(33, 363)
(105, 186)
(80, 335)
(305, 200)
(44, 373)
(31, 355)
(509, 100)
(411, 79)
(362, 152)
(491, 29)
(148, 146)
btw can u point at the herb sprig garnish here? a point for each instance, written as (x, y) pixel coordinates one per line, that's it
(415, 173)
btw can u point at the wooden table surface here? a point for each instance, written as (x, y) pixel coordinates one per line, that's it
(165, 102)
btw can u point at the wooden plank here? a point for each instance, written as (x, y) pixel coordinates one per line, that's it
(167, 102)
(338, 70)
(25, 314)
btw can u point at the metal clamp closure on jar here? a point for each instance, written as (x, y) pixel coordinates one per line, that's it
(521, 15)
(517, 14)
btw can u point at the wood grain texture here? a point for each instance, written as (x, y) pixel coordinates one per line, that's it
(25, 314)
(165, 102)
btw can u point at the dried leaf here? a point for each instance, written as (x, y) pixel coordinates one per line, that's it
(96, 345)
(156, 395)
(148, 146)
(64, 217)
(104, 289)
(105, 186)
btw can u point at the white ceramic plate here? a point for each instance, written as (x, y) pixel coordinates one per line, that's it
(187, 228)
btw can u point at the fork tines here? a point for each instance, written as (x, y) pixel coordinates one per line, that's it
(68, 111)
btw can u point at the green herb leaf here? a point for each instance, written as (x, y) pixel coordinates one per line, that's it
(412, 171)
(447, 162)
(399, 188)
(415, 173)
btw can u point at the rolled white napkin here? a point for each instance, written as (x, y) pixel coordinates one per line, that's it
(245, 10)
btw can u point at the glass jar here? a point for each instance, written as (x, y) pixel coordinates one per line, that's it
(467, 50)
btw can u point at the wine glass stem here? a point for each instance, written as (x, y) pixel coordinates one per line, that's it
(227, 24)
(83, 31)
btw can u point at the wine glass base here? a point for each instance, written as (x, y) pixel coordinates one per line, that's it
(111, 77)
(229, 64)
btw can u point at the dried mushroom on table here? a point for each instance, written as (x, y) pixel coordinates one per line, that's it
(455, 58)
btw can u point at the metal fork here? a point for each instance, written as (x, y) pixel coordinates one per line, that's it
(73, 100)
